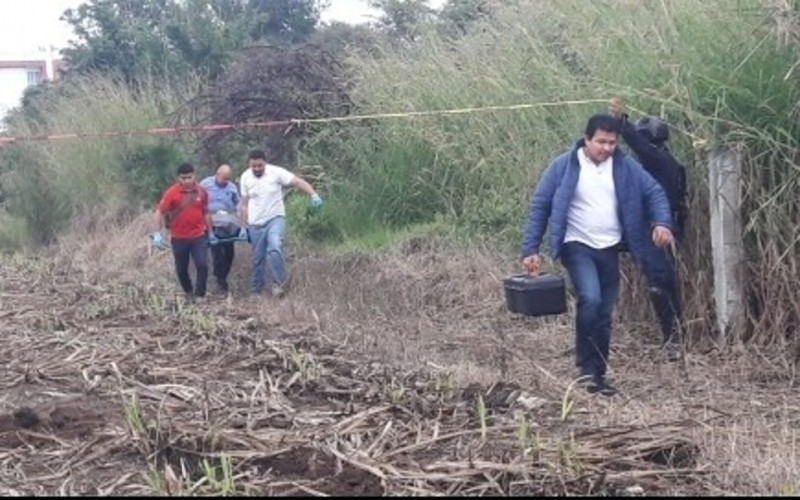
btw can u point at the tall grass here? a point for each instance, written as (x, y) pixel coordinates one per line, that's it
(52, 184)
(714, 69)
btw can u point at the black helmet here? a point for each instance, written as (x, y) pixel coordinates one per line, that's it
(654, 128)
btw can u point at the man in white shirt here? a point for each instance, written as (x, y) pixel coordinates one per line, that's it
(594, 198)
(263, 211)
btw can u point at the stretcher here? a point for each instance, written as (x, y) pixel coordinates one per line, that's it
(236, 238)
(226, 230)
(231, 239)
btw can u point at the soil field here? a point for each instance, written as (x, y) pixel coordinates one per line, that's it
(393, 375)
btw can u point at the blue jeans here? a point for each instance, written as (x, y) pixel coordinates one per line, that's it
(267, 241)
(595, 277)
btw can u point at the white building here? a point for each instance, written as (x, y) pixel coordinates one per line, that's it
(16, 75)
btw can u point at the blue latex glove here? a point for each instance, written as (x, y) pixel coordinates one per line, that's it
(158, 240)
(316, 201)
(212, 238)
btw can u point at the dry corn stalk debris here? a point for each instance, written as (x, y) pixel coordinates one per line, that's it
(121, 390)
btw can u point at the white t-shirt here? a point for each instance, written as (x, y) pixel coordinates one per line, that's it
(592, 218)
(265, 194)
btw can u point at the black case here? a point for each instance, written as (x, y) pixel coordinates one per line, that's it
(541, 295)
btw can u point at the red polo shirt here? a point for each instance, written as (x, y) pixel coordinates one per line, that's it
(190, 223)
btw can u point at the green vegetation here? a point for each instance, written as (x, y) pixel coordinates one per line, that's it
(50, 184)
(723, 73)
(169, 40)
(701, 64)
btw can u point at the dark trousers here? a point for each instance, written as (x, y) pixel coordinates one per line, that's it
(222, 257)
(595, 277)
(195, 249)
(659, 268)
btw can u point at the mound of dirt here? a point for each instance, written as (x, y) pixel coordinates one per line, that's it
(66, 420)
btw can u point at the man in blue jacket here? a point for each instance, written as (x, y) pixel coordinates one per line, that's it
(647, 139)
(594, 198)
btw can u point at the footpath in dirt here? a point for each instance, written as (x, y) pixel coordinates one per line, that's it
(128, 390)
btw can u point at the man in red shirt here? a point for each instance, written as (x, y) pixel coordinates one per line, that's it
(183, 209)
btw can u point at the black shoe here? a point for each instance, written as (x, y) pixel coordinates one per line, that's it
(599, 385)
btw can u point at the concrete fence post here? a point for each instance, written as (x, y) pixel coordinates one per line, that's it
(724, 181)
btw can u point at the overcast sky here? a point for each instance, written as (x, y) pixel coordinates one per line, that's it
(28, 26)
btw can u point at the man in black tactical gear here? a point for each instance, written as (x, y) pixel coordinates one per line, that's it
(647, 138)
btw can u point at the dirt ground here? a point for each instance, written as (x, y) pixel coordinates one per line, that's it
(398, 374)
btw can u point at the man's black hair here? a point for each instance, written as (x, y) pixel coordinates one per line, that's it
(602, 121)
(257, 154)
(185, 168)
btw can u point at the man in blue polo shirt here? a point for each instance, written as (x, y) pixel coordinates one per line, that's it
(223, 203)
